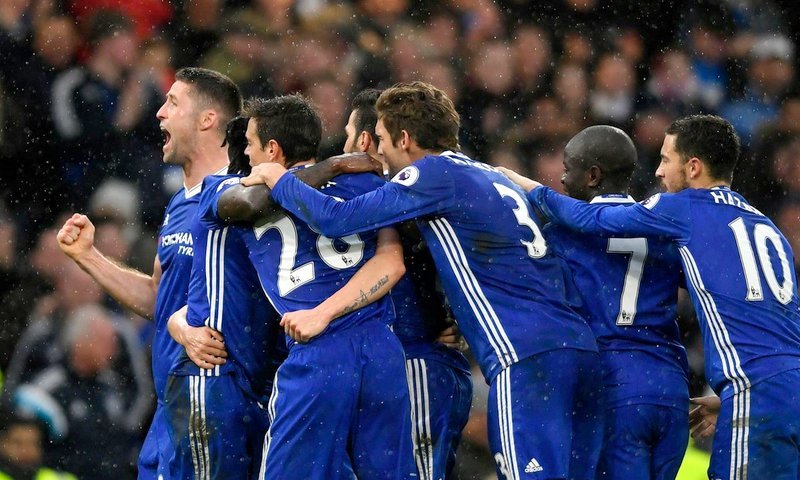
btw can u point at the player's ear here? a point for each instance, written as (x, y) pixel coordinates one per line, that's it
(405, 140)
(364, 141)
(696, 167)
(594, 175)
(273, 150)
(208, 119)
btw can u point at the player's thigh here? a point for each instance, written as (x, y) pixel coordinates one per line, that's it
(313, 404)
(671, 429)
(530, 414)
(381, 432)
(643, 441)
(156, 450)
(758, 430)
(588, 417)
(440, 401)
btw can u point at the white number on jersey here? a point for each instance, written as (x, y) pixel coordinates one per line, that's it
(289, 278)
(637, 248)
(762, 233)
(538, 247)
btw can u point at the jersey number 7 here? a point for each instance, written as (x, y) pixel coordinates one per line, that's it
(637, 249)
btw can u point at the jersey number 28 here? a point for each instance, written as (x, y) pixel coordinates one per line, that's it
(289, 277)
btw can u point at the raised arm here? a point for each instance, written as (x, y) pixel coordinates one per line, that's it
(131, 288)
(372, 281)
(250, 203)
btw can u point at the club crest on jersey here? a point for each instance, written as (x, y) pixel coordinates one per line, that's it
(407, 176)
(651, 202)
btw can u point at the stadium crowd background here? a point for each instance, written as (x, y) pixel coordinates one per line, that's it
(81, 80)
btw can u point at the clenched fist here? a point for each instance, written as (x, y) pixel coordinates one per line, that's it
(76, 237)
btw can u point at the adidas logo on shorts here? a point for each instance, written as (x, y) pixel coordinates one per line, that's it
(533, 466)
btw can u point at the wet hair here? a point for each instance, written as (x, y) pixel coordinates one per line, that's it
(609, 148)
(710, 138)
(236, 141)
(424, 111)
(366, 114)
(213, 89)
(291, 121)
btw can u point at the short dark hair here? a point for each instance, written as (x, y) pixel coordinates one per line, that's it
(213, 89)
(424, 111)
(710, 138)
(291, 121)
(366, 114)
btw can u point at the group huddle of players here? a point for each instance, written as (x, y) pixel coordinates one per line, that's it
(303, 310)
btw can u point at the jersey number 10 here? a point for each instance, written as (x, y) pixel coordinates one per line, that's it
(762, 234)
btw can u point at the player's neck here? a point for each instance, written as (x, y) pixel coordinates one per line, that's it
(204, 162)
(707, 183)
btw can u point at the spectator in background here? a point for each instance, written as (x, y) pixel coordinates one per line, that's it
(673, 84)
(532, 59)
(21, 449)
(97, 106)
(87, 402)
(612, 100)
(708, 35)
(769, 76)
(648, 135)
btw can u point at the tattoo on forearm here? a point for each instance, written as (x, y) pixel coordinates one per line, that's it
(363, 298)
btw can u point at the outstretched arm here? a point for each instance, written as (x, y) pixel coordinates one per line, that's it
(243, 203)
(372, 281)
(131, 288)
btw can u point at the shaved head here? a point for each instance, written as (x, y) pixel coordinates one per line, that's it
(598, 160)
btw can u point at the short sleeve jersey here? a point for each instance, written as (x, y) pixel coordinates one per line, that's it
(629, 292)
(505, 286)
(175, 251)
(299, 268)
(224, 294)
(738, 268)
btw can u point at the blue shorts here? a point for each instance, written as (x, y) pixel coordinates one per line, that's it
(440, 400)
(340, 408)
(546, 416)
(643, 442)
(157, 450)
(758, 432)
(216, 429)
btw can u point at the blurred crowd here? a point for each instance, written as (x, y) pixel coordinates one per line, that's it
(81, 80)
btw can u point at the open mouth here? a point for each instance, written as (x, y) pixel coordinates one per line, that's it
(167, 137)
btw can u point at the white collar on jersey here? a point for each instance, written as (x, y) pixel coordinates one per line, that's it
(613, 198)
(191, 192)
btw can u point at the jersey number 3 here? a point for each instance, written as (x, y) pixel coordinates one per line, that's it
(289, 277)
(538, 247)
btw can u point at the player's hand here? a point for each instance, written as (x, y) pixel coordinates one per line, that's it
(204, 346)
(76, 237)
(526, 183)
(359, 162)
(451, 337)
(303, 325)
(264, 173)
(703, 417)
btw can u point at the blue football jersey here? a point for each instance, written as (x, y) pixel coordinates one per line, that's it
(503, 282)
(419, 305)
(298, 268)
(738, 266)
(629, 292)
(175, 250)
(224, 294)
